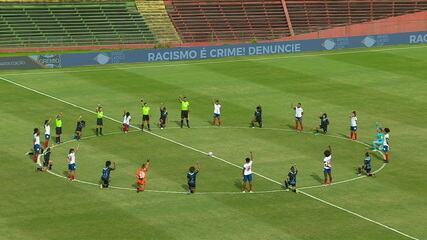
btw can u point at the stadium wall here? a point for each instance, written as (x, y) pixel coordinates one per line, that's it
(211, 52)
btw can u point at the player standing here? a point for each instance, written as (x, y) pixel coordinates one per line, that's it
(257, 117)
(105, 177)
(327, 165)
(163, 116)
(80, 124)
(386, 144)
(126, 121)
(185, 109)
(141, 176)
(298, 117)
(46, 133)
(247, 174)
(291, 181)
(71, 159)
(58, 128)
(217, 114)
(145, 110)
(36, 144)
(99, 120)
(191, 178)
(353, 126)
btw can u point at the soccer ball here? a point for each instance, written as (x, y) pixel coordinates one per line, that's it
(210, 154)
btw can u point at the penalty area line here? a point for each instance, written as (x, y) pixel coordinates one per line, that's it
(218, 158)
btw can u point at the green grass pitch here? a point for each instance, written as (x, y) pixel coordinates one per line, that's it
(386, 85)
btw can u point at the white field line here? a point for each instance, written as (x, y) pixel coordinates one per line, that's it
(223, 160)
(204, 62)
(268, 191)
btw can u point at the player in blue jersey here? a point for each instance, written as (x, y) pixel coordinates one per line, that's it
(291, 181)
(106, 171)
(366, 168)
(191, 178)
(257, 117)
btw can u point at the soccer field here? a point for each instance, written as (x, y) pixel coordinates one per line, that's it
(385, 85)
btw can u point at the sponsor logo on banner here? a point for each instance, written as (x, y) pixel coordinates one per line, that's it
(328, 44)
(48, 61)
(369, 41)
(18, 63)
(102, 58)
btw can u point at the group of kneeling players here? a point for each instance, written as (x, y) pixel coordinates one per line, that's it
(41, 154)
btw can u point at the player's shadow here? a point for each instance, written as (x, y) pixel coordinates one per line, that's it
(177, 122)
(238, 184)
(184, 186)
(316, 177)
(65, 173)
(342, 135)
(290, 126)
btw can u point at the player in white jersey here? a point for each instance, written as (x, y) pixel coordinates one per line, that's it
(126, 121)
(247, 174)
(36, 144)
(217, 114)
(327, 165)
(386, 144)
(353, 125)
(46, 133)
(298, 117)
(71, 160)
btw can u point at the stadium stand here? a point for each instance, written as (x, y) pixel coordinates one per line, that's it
(222, 20)
(53, 24)
(145, 23)
(208, 21)
(157, 19)
(310, 16)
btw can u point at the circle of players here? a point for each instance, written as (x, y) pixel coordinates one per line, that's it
(41, 154)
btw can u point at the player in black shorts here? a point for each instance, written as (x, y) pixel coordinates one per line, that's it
(47, 163)
(257, 117)
(163, 117)
(106, 171)
(79, 128)
(366, 168)
(324, 122)
(185, 109)
(99, 120)
(191, 178)
(291, 181)
(145, 110)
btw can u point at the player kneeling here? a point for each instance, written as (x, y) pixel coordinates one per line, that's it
(141, 176)
(291, 181)
(366, 167)
(324, 122)
(47, 163)
(106, 171)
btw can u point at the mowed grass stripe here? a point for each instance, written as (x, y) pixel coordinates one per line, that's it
(406, 154)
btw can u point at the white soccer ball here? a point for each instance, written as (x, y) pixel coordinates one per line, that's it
(210, 154)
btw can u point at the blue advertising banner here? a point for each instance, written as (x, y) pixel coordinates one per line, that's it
(212, 52)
